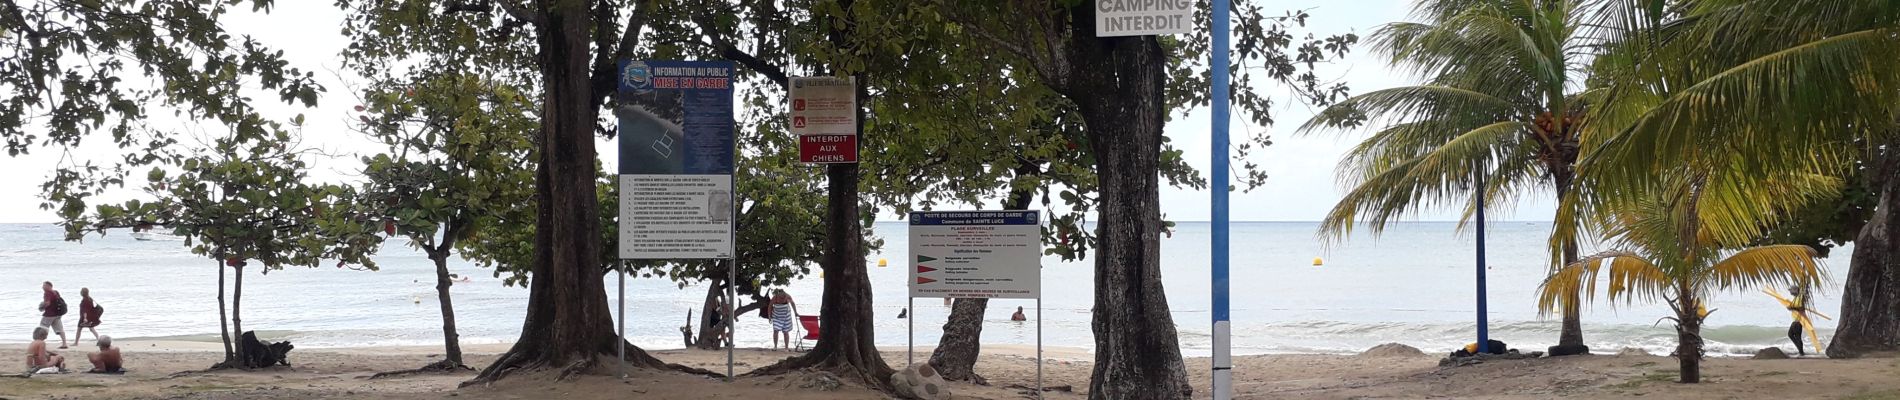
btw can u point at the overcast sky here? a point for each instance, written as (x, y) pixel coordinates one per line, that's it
(1301, 185)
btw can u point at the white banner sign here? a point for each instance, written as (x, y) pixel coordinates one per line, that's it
(824, 105)
(1143, 17)
(675, 216)
(976, 254)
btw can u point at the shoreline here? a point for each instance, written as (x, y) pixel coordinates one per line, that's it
(173, 370)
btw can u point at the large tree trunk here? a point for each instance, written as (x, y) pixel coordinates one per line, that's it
(846, 335)
(569, 324)
(961, 343)
(1570, 340)
(1870, 306)
(1688, 334)
(451, 342)
(1118, 84)
(224, 329)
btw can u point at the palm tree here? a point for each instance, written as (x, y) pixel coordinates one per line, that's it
(1789, 84)
(1497, 96)
(1664, 249)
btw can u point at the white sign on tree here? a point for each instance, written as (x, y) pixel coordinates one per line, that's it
(1143, 17)
(976, 254)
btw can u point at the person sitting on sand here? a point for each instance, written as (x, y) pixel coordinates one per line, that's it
(89, 313)
(36, 355)
(1018, 316)
(783, 311)
(106, 360)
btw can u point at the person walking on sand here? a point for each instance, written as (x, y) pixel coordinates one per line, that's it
(1798, 304)
(783, 311)
(89, 313)
(107, 359)
(1018, 316)
(36, 355)
(51, 308)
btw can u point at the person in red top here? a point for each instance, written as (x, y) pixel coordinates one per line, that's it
(51, 308)
(88, 316)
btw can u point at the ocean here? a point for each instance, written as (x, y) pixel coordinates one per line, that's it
(1412, 285)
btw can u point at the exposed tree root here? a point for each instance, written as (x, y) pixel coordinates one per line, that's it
(444, 366)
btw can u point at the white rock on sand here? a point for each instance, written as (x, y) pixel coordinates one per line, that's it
(1392, 350)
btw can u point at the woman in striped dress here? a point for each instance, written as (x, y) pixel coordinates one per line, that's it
(783, 311)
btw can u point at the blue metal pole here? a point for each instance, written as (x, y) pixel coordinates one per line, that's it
(1484, 338)
(1223, 361)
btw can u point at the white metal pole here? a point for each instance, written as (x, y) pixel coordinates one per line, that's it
(732, 296)
(1038, 343)
(622, 343)
(910, 335)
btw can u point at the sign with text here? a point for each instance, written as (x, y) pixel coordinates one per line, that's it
(676, 159)
(824, 114)
(976, 254)
(1143, 17)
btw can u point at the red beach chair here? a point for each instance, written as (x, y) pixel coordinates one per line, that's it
(810, 324)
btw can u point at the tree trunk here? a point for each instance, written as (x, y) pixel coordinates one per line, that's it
(1570, 340)
(709, 331)
(1870, 306)
(1118, 84)
(451, 342)
(846, 335)
(956, 353)
(1688, 335)
(224, 329)
(961, 343)
(237, 307)
(569, 324)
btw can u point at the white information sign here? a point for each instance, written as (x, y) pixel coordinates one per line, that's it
(824, 105)
(1143, 17)
(675, 216)
(976, 254)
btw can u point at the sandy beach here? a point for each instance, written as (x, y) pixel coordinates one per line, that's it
(173, 370)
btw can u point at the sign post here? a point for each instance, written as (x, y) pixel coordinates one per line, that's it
(1484, 339)
(824, 115)
(676, 162)
(977, 254)
(1223, 326)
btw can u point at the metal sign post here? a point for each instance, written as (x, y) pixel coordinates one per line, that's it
(1223, 341)
(622, 343)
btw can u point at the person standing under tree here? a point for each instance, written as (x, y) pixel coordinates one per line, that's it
(89, 313)
(784, 310)
(1797, 304)
(51, 308)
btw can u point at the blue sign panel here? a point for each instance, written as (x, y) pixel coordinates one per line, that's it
(676, 118)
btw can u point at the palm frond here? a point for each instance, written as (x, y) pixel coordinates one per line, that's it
(1764, 267)
(1630, 277)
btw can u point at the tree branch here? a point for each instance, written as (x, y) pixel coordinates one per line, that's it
(725, 48)
(606, 73)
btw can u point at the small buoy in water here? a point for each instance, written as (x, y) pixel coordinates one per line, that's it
(881, 263)
(1318, 262)
(416, 299)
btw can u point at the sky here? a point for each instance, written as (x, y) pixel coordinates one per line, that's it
(1301, 185)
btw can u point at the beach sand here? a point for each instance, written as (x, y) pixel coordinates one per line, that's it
(173, 370)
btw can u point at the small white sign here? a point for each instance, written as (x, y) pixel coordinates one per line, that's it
(824, 105)
(675, 216)
(976, 254)
(1143, 17)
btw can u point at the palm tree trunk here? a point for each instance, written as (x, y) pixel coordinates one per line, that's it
(1570, 339)
(1870, 306)
(1688, 334)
